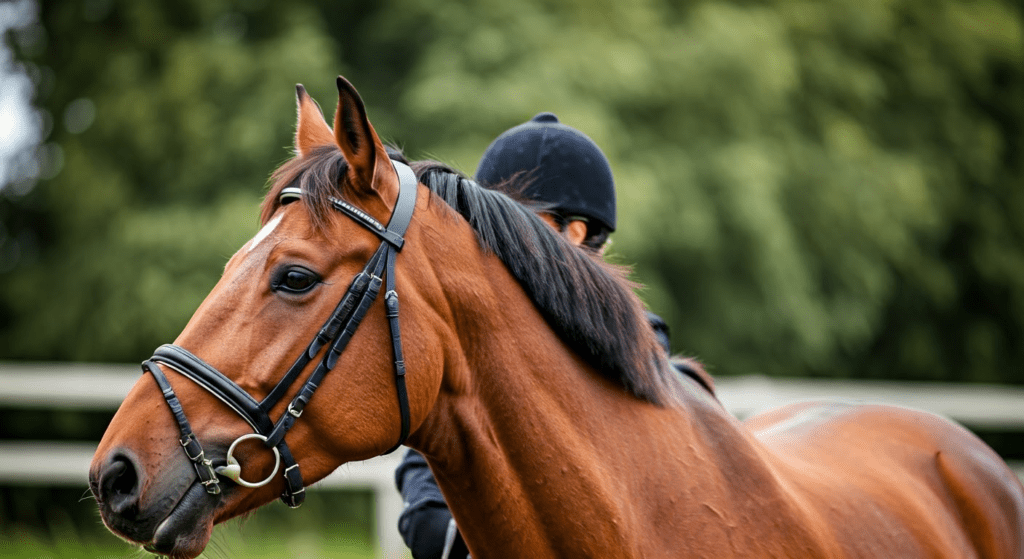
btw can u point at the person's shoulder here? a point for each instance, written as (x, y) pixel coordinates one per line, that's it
(660, 330)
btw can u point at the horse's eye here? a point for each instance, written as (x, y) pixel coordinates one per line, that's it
(296, 280)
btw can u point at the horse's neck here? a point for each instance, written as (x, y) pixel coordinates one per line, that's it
(539, 456)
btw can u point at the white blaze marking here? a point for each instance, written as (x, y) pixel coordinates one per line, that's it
(267, 229)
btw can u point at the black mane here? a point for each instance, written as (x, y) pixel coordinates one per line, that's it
(589, 303)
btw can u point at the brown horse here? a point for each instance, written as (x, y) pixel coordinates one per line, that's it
(525, 372)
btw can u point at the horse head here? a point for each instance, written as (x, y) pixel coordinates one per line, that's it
(213, 430)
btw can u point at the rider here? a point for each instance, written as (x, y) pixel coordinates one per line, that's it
(564, 172)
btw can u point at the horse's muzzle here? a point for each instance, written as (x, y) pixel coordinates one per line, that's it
(170, 518)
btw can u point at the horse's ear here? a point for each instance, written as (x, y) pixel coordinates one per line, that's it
(312, 130)
(360, 144)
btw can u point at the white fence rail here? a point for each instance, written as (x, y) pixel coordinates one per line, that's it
(103, 387)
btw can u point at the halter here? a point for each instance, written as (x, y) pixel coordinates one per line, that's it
(334, 335)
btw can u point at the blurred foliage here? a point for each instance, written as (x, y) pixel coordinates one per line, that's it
(805, 187)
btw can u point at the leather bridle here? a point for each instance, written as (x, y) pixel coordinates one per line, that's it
(334, 336)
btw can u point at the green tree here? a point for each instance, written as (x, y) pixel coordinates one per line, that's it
(167, 117)
(806, 188)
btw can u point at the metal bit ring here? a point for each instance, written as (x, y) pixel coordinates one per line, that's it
(233, 470)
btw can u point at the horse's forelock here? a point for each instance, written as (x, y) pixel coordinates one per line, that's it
(319, 174)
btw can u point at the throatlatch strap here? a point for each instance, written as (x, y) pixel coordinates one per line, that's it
(391, 303)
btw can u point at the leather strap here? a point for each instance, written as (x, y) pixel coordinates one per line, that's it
(205, 375)
(406, 204)
(327, 333)
(391, 304)
(194, 450)
(334, 335)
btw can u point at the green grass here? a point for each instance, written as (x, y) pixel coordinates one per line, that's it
(228, 542)
(23, 542)
(331, 524)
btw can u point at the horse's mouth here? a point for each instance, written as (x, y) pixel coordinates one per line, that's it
(186, 530)
(182, 534)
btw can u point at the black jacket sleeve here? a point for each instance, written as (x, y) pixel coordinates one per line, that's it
(660, 330)
(425, 518)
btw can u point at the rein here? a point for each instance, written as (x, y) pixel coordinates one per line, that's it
(334, 335)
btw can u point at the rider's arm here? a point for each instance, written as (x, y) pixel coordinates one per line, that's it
(425, 519)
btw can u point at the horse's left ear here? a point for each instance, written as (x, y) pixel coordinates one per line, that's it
(311, 131)
(362, 148)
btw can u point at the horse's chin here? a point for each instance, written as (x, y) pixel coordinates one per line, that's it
(182, 534)
(186, 530)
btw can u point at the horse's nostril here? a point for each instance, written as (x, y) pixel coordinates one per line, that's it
(119, 487)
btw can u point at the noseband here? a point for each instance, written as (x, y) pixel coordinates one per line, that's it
(334, 335)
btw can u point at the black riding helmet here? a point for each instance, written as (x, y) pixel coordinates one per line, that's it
(560, 165)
